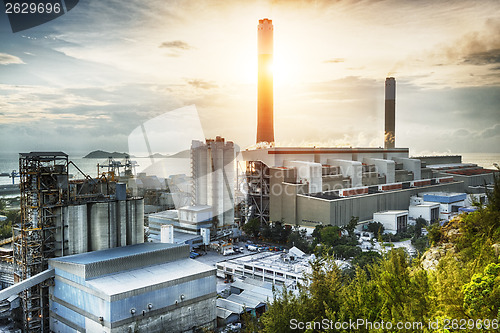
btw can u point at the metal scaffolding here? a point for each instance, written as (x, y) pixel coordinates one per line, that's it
(258, 179)
(44, 186)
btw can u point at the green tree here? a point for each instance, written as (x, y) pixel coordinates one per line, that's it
(252, 227)
(285, 307)
(364, 259)
(419, 224)
(317, 232)
(298, 239)
(482, 294)
(420, 244)
(331, 235)
(434, 233)
(351, 226)
(376, 228)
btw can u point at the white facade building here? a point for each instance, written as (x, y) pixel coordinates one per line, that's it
(427, 211)
(214, 178)
(394, 221)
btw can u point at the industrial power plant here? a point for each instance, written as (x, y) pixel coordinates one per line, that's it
(88, 256)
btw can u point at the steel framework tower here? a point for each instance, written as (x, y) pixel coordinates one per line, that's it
(44, 187)
(258, 180)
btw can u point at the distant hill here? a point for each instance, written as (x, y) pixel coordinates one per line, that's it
(104, 154)
(181, 154)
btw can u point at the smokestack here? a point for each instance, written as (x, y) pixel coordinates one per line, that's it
(265, 122)
(390, 113)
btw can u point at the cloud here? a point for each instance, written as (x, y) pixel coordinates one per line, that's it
(491, 132)
(334, 61)
(176, 44)
(484, 58)
(202, 84)
(478, 47)
(7, 59)
(461, 132)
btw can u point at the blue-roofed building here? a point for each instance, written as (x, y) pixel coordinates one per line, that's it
(449, 202)
(149, 287)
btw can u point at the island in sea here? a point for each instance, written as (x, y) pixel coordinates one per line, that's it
(100, 154)
(104, 154)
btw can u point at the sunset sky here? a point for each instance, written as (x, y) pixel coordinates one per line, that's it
(86, 80)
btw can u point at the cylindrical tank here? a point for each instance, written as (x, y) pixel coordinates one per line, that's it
(130, 221)
(139, 221)
(121, 218)
(99, 226)
(77, 229)
(113, 224)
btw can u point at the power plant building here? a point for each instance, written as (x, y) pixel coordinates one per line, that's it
(150, 287)
(60, 217)
(310, 186)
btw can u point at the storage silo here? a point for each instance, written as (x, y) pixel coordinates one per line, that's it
(98, 226)
(77, 229)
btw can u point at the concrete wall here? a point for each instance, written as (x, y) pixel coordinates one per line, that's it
(384, 167)
(411, 164)
(370, 178)
(283, 203)
(430, 160)
(308, 172)
(403, 176)
(475, 180)
(352, 169)
(312, 211)
(335, 182)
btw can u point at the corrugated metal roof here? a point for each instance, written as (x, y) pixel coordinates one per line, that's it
(223, 313)
(98, 263)
(229, 305)
(126, 281)
(247, 300)
(114, 253)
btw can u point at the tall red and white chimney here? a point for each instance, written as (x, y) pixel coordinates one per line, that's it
(390, 113)
(265, 117)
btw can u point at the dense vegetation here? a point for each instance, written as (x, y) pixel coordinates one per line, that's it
(462, 291)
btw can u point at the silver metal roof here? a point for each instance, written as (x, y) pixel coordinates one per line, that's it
(93, 264)
(144, 278)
